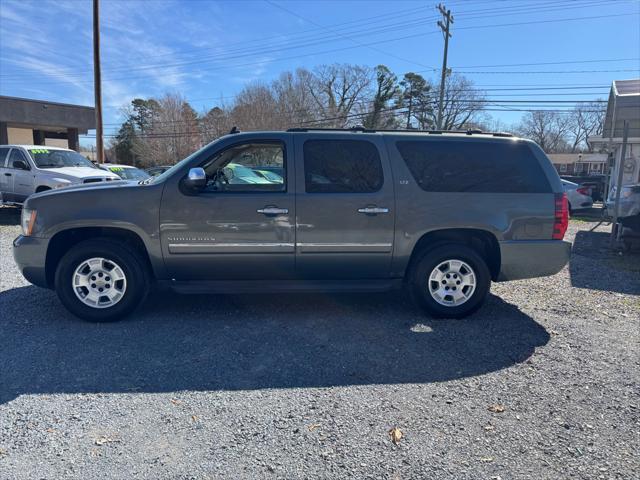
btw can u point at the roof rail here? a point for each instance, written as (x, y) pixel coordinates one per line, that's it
(362, 129)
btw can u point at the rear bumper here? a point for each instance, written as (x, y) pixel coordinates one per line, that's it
(532, 258)
(30, 254)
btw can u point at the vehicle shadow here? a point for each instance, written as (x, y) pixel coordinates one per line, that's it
(10, 216)
(591, 255)
(207, 343)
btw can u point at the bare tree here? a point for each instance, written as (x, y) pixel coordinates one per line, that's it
(294, 104)
(463, 104)
(586, 120)
(214, 124)
(547, 128)
(171, 134)
(338, 91)
(254, 108)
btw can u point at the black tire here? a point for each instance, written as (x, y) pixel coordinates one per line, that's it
(126, 257)
(429, 260)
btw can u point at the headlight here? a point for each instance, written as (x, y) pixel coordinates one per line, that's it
(61, 182)
(28, 221)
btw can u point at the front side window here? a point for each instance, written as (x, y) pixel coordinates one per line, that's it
(469, 166)
(250, 167)
(342, 166)
(46, 158)
(16, 156)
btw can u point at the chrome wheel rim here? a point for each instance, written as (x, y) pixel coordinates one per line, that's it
(99, 282)
(452, 283)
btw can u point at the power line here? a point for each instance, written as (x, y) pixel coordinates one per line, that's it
(383, 41)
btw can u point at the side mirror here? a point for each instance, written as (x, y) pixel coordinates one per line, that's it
(196, 179)
(20, 165)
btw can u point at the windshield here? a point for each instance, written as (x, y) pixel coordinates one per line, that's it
(45, 158)
(129, 173)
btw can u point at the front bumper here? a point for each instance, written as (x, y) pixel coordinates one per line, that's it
(532, 258)
(30, 254)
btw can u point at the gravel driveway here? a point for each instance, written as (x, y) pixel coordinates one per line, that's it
(543, 382)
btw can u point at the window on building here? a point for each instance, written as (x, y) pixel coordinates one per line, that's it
(342, 166)
(563, 167)
(469, 166)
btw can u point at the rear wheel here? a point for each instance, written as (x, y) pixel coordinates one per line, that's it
(450, 281)
(101, 281)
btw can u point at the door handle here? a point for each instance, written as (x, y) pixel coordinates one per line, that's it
(7, 174)
(373, 210)
(269, 211)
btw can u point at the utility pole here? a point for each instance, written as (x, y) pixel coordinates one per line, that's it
(616, 230)
(444, 26)
(97, 82)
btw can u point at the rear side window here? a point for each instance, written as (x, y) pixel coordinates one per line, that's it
(342, 166)
(3, 156)
(491, 167)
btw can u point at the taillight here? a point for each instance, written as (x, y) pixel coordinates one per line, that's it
(561, 222)
(584, 190)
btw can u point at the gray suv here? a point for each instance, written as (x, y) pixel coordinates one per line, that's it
(442, 213)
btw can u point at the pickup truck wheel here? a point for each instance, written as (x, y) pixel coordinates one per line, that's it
(451, 281)
(101, 281)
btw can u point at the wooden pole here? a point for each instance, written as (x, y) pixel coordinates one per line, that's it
(97, 83)
(445, 30)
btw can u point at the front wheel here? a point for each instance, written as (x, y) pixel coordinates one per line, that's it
(101, 281)
(451, 281)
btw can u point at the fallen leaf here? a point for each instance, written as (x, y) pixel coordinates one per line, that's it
(175, 402)
(313, 426)
(50, 430)
(486, 459)
(396, 435)
(194, 418)
(489, 427)
(497, 408)
(3, 451)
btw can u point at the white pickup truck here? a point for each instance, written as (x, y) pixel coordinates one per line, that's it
(27, 169)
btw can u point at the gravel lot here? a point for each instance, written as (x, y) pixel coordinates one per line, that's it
(295, 386)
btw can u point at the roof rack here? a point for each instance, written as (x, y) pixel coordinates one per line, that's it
(395, 130)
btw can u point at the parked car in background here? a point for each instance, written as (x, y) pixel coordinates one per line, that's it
(28, 169)
(155, 171)
(629, 200)
(594, 182)
(125, 172)
(579, 197)
(441, 213)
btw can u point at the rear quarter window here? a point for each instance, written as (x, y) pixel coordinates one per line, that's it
(467, 166)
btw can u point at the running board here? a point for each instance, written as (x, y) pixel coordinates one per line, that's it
(279, 286)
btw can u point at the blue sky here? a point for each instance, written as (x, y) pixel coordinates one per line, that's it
(208, 50)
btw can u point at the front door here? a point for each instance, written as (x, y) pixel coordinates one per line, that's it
(345, 208)
(6, 177)
(241, 227)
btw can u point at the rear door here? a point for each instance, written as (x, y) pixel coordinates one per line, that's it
(345, 207)
(6, 176)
